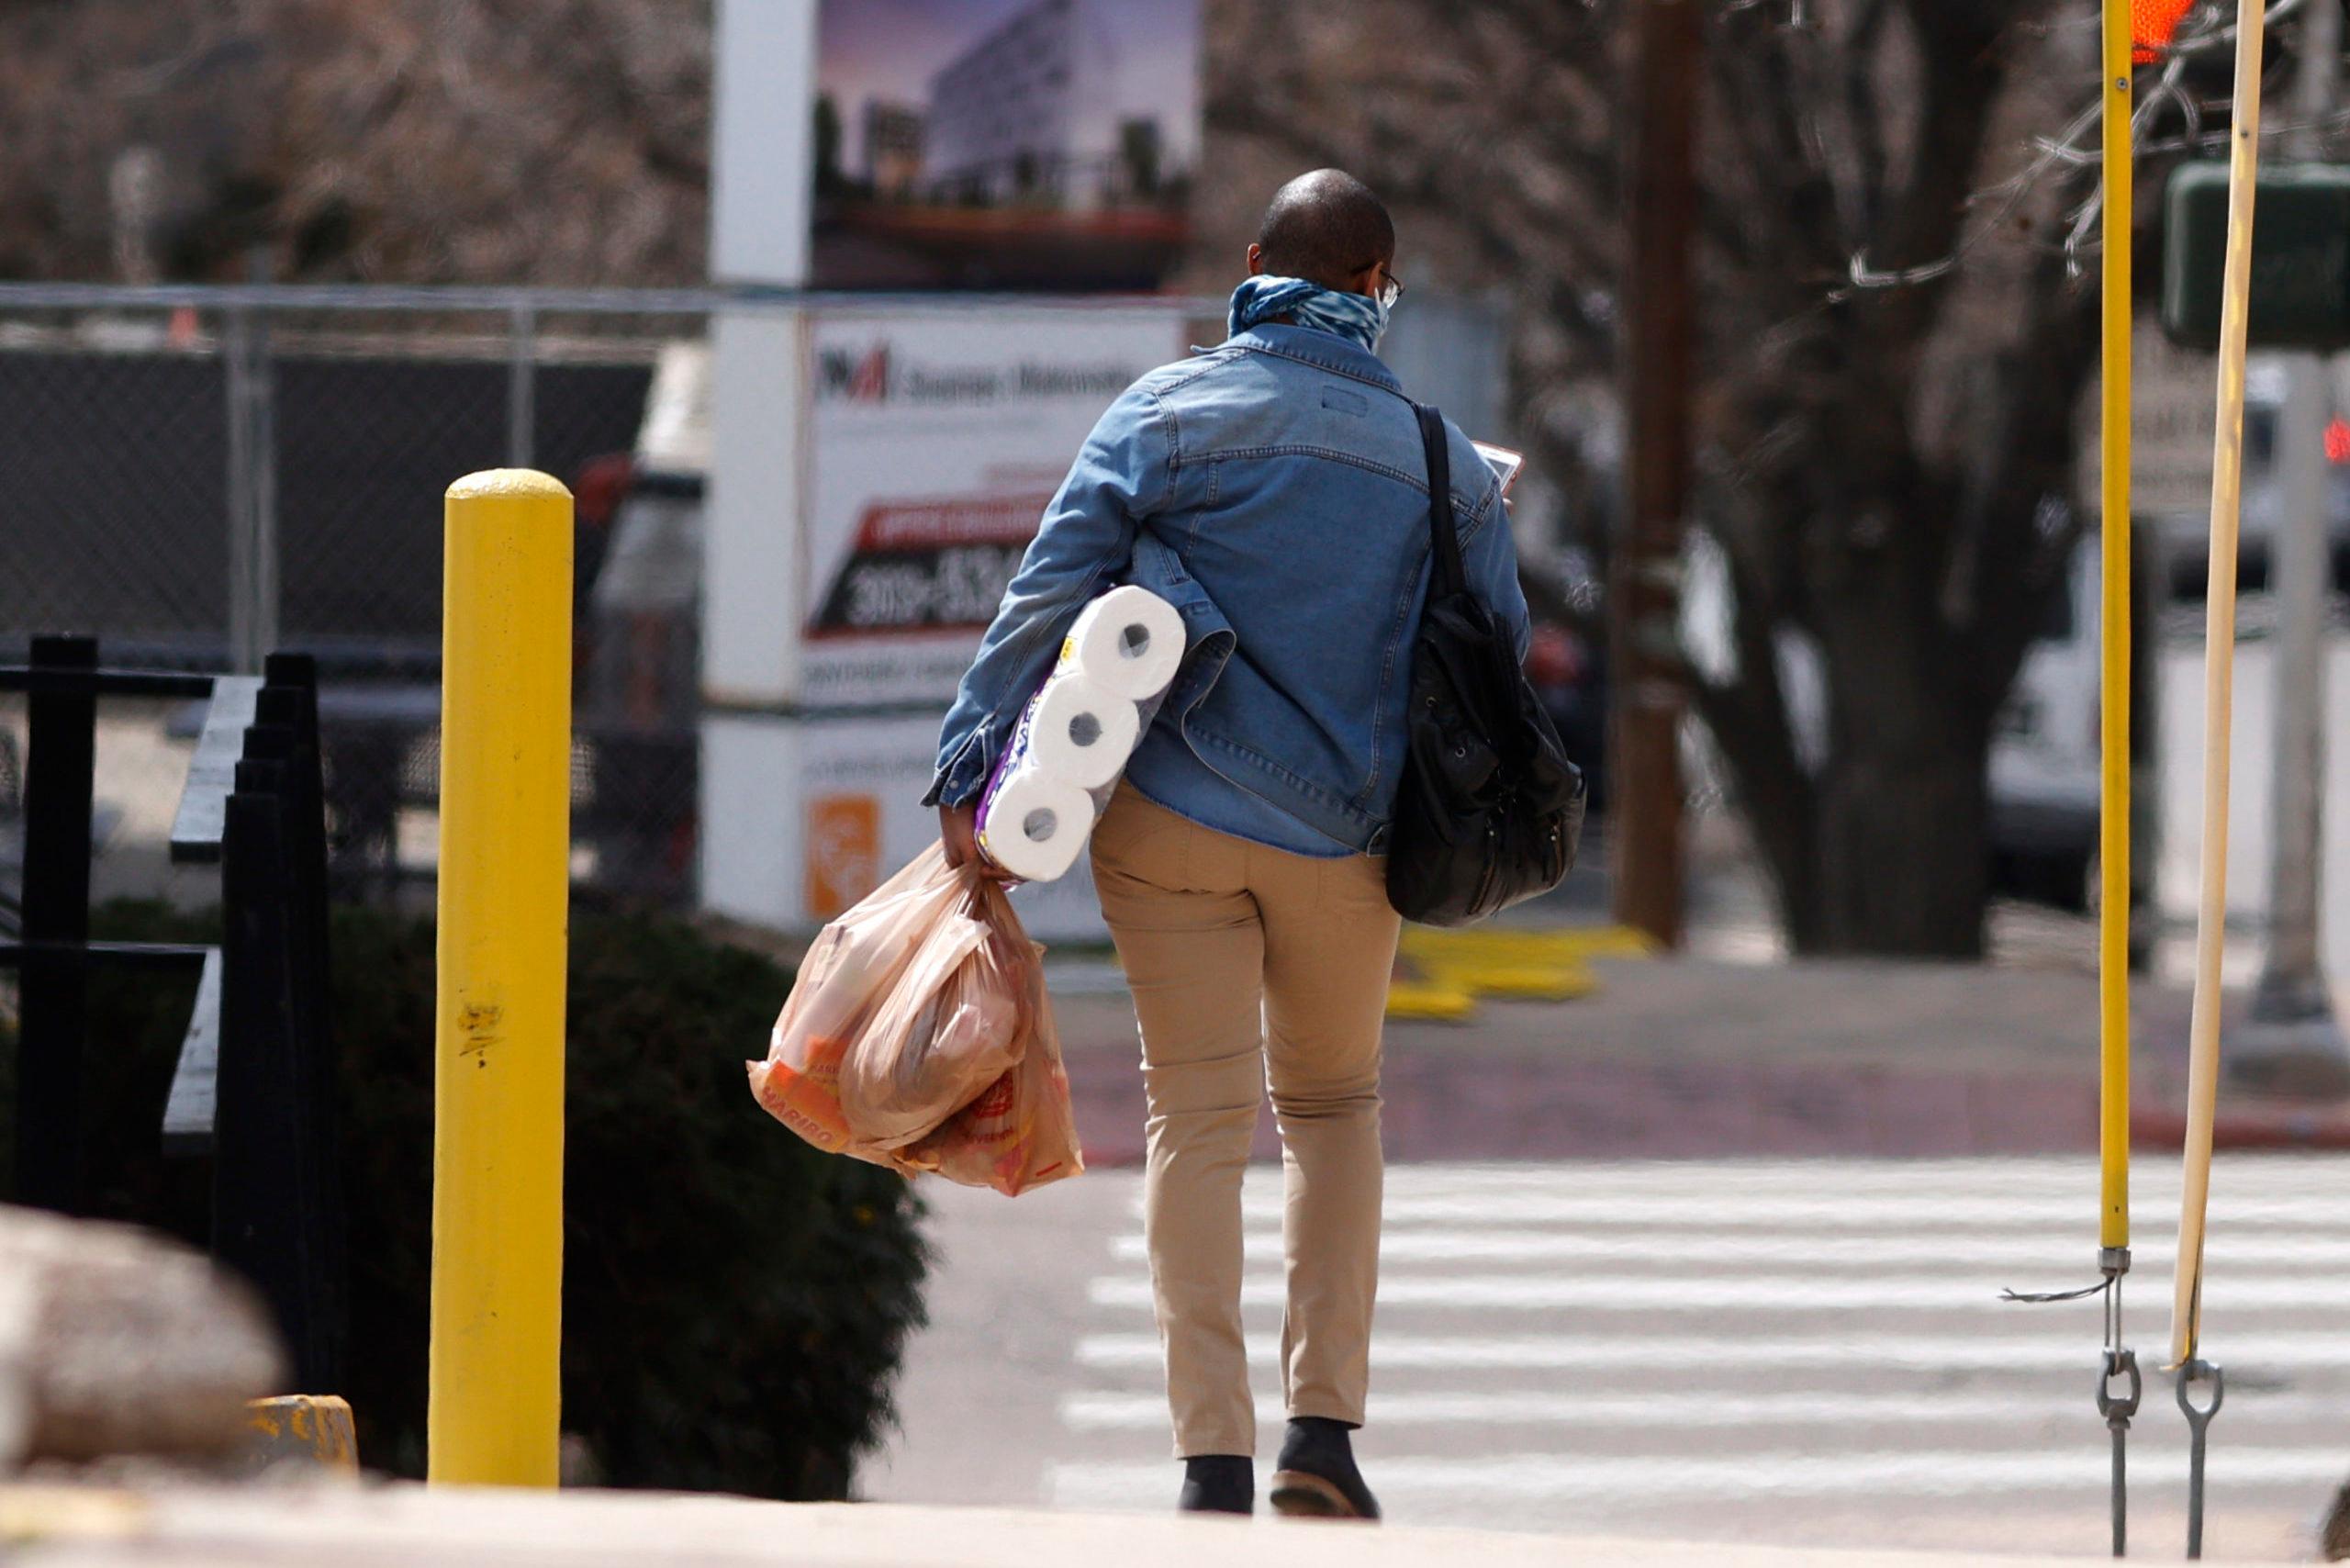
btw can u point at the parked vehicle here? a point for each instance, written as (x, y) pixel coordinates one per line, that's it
(637, 632)
(2045, 752)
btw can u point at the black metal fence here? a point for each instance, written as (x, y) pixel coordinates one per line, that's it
(255, 1083)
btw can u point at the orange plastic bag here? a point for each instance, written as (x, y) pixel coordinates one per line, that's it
(938, 1041)
(1020, 1132)
(917, 1007)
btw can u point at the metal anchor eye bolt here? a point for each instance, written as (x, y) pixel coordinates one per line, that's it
(2199, 1419)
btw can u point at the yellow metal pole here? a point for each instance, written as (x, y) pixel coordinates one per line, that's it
(2219, 669)
(492, 1411)
(2113, 837)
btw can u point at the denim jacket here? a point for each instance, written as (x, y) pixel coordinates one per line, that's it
(1274, 490)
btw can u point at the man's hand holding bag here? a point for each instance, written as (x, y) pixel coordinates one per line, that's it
(918, 1036)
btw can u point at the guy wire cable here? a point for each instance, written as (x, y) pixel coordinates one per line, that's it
(2219, 665)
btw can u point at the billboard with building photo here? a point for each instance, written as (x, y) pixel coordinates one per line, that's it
(1015, 144)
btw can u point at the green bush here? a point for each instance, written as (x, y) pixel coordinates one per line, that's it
(734, 1303)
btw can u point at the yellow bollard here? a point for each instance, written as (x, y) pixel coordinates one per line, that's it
(493, 1386)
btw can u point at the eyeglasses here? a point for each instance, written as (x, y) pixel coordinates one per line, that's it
(1390, 289)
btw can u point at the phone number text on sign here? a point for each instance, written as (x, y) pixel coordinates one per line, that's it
(927, 565)
(955, 587)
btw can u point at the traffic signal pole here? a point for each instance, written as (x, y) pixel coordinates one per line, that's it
(2119, 1385)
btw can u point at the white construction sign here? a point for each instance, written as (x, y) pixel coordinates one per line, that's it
(827, 809)
(857, 553)
(933, 441)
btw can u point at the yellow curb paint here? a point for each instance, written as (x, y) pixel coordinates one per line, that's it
(1522, 963)
(1439, 1003)
(1519, 981)
(1528, 944)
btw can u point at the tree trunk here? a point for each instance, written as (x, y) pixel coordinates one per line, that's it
(1902, 822)
(1902, 800)
(1885, 854)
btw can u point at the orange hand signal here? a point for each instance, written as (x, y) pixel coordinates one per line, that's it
(2151, 22)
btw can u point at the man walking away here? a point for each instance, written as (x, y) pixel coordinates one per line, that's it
(1274, 490)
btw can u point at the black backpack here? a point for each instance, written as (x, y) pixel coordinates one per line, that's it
(1489, 808)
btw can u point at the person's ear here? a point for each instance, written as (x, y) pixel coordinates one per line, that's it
(1366, 282)
(1256, 260)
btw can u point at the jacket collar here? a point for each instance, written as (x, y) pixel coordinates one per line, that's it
(1310, 346)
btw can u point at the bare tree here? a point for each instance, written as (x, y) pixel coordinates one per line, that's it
(561, 141)
(1896, 333)
(1896, 327)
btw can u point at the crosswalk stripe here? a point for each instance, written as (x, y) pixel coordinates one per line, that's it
(1692, 1409)
(1739, 1332)
(1977, 1352)
(1821, 1211)
(2056, 1257)
(1403, 1482)
(1717, 1292)
(2286, 1175)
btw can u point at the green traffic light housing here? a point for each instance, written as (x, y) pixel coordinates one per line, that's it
(2301, 256)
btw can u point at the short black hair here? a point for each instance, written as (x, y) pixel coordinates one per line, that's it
(1325, 227)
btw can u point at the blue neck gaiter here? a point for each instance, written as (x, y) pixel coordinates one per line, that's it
(1357, 317)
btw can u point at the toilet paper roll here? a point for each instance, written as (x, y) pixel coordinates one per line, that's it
(1129, 640)
(1082, 731)
(1033, 825)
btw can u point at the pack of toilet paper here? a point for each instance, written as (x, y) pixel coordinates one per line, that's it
(1073, 740)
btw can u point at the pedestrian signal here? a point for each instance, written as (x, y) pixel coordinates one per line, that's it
(2151, 22)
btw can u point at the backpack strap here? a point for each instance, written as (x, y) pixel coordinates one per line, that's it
(1451, 578)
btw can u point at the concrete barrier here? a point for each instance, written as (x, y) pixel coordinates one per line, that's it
(397, 1527)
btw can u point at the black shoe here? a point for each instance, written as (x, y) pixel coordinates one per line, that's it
(1218, 1484)
(1316, 1478)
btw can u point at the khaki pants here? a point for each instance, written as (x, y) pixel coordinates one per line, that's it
(1251, 965)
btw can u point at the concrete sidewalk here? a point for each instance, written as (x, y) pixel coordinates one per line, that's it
(409, 1527)
(1687, 1057)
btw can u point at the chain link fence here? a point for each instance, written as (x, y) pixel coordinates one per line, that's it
(198, 477)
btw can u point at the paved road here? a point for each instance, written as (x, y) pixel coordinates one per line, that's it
(1796, 1352)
